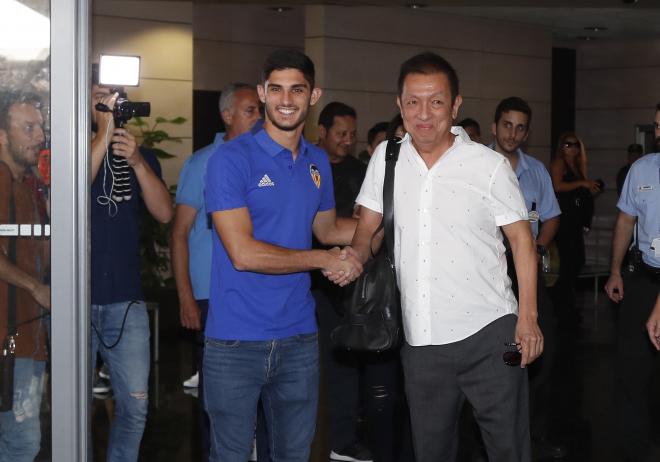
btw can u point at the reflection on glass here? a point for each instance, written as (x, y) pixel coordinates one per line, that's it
(24, 229)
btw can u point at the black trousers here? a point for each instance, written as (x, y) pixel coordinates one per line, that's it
(439, 378)
(353, 378)
(635, 361)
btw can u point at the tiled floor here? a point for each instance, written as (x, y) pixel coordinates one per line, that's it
(172, 427)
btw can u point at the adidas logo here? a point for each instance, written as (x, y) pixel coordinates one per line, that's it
(266, 181)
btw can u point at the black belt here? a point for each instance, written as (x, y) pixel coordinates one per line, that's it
(652, 272)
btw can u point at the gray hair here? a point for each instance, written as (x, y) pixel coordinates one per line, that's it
(227, 96)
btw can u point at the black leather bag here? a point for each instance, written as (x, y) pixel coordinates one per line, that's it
(372, 318)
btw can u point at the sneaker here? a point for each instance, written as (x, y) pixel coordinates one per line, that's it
(354, 452)
(104, 373)
(192, 382)
(101, 386)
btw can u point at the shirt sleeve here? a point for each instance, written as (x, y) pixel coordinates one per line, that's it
(548, 207)
(627, 199)
(371, 192)
(190, 185)
(226, 181)
(506, 199)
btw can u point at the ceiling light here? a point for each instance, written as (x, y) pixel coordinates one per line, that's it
(587, 38)
(280, 9)
(595, 28)
(416, 6)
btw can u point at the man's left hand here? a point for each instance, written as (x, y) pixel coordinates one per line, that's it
(530, 339)
(124, 145)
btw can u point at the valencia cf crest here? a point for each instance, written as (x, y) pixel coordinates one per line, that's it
(316, 175)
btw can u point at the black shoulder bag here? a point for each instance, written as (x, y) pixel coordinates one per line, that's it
(8, 353)
(372, 319)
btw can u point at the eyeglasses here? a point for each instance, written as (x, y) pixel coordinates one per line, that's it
(512, 357)
(569, 144)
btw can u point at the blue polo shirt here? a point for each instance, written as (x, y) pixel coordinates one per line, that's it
(536, 186)
(282, 198)
(640, 198)
(190, 192)
(115, 259)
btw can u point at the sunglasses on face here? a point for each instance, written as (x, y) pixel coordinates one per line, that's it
(512, 357)
(570, 144)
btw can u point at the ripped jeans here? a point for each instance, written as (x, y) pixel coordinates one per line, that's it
(20, 428)
(128, 363)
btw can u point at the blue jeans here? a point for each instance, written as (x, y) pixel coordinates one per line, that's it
(284, 373)
(128, 363)
(20, 430)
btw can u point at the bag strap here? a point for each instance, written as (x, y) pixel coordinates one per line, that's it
(391, 157)
(11, 289)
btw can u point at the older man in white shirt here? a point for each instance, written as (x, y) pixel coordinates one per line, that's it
(463, 327)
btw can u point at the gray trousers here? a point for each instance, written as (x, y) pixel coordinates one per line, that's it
(439, 378)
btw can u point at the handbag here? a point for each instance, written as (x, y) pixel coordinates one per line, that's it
(372, 317)
(8, 353)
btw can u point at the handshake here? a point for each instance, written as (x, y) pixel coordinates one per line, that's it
(343, 266)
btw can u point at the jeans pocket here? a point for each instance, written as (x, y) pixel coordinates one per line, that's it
(222, 343)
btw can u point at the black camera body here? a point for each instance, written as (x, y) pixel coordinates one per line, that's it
(125, 110)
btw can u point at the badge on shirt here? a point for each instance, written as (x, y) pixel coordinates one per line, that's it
(316, 175)
(646, 187)
(655, 246)
(533, 216)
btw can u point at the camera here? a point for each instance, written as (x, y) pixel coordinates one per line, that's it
(125, 110)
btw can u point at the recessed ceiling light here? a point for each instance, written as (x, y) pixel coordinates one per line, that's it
(595, 28)
(416, 6)
(587, 38)
(280, 9)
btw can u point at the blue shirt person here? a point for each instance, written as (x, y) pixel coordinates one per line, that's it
(191, 243)
(636, 287)
(267, 192)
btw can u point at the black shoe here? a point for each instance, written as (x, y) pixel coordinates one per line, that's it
(354, 452)
(101, 386)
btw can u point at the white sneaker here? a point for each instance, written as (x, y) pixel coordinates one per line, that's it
(192, 382)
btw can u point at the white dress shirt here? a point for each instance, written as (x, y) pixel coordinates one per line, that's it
(448, 248)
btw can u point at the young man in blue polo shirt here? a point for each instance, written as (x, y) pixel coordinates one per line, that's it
(268, 191)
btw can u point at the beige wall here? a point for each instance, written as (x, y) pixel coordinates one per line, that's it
(358, 52)
(161, 33)
(617, 89)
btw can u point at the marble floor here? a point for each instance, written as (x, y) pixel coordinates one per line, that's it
(172, 429)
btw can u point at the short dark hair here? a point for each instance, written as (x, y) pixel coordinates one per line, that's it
(468, 122)
(657, 107)
(635, 149)
(332, 110)
(282, 59)
(375, 130)
(429, 63)
(513, 103)
(395, 122)
(9, 98)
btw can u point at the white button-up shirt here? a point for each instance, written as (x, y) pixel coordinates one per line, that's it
(448, 248)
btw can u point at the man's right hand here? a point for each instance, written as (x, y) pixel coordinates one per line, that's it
(343, 268)
(190, 315)
(614, 287)
(105, 120)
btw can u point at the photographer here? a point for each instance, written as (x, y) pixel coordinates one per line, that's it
(120, 325)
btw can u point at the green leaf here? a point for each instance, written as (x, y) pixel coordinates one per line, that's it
(178, 120)
(160, 120)
(138, 122)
